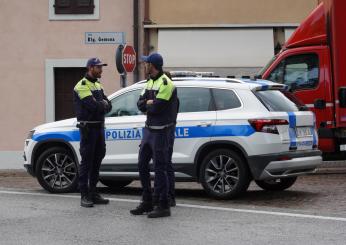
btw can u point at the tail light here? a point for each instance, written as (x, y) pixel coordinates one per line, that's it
(267, 125)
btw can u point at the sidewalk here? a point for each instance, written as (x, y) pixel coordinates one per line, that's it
(331, 167)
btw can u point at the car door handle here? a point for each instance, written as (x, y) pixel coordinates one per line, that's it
(137, 126)
(204, 124)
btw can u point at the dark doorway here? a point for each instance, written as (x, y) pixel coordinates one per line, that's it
(65, 79)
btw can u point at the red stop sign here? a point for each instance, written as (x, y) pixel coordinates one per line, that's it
(129, 58)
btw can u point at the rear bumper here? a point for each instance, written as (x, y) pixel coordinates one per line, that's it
(285, 164)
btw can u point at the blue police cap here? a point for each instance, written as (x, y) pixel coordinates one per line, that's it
(154, 58)
(95, 62)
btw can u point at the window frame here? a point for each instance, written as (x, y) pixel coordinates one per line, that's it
(122, 94)
(52, 16)
(211, 104)
(214, 100)
(74, 7)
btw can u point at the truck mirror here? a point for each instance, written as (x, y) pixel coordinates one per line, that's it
(293, 87)
(342, 97)
(320, 104)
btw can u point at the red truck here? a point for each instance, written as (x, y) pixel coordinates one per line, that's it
(313, 64)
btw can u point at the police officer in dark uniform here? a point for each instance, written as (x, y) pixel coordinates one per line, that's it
(91, 105)
(160, 102)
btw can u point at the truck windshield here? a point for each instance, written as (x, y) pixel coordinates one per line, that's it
(275, 100)
(271, 61)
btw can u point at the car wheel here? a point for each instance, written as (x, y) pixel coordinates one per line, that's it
(276, 184)
(57, 170)
(224, 174)
(115, 184)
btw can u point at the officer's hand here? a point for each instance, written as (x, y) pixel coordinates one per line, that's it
(150, 102)
(105, 103)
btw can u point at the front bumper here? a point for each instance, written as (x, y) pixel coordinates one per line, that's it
(287, 164)
(29, 169)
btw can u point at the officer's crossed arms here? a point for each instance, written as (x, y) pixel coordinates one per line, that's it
(88, 100)
(155, 96)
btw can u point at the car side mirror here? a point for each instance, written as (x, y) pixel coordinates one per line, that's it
(342, 97)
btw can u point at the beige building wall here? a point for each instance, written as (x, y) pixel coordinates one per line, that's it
(237, 36)
(28, 39)
(229, 11)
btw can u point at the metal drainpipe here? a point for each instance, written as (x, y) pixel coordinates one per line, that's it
(146, 21)
(135, 37)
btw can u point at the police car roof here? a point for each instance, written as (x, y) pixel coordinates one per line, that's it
(245, 83)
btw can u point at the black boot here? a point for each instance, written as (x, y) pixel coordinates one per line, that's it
(86, 202)
(144, 207)
(98, 199)
(159, 212)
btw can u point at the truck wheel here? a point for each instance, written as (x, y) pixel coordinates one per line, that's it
(115, 184)
(57, 171)
(276, 184)
(224, 174)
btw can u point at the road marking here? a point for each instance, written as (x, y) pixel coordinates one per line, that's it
(296, 215)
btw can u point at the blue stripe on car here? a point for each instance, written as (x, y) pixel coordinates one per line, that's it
(313, 132)
(291, 130)
(63, 135)
(136, 134)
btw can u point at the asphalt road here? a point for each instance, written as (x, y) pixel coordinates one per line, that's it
(39, 218)
(313, 211)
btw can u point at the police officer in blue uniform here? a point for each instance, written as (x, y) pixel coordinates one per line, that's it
(160, 103)
(91, 105)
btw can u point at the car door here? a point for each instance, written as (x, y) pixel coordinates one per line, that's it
(123, 133)
(195, 122)
(304, 74)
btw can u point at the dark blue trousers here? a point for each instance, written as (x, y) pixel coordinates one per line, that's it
(154, 145)
(92, 150)
(170, 169)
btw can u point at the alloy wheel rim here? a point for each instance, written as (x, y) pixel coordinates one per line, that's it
(222, 174)
(59, 171)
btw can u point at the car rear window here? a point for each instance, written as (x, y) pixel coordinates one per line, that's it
(275, 100)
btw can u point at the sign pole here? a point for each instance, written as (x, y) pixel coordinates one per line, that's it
(123, 79)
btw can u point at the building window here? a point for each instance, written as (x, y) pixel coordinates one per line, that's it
(74, 9)
(74, 6)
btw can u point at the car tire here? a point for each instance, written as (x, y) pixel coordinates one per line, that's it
(224, 174)
(57, 170)
(276, 184)
(115, 184)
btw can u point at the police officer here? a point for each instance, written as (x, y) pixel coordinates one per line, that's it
(160, 102)
(91, 105)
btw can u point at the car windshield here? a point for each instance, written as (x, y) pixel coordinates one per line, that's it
(275, 100)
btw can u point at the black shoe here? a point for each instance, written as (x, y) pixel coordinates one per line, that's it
(86, 202)
(160, 212)
(98, 199)
(172, 202)
(144, 207)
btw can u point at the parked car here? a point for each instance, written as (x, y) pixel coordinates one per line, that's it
(229, 132)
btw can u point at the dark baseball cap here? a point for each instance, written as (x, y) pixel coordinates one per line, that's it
(154, 58)
(95, 62)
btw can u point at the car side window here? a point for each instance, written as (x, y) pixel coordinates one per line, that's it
(225, 99)
(194, 99)
(125, 104)
(298, 71)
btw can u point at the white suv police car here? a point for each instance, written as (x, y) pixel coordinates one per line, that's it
(229, 132)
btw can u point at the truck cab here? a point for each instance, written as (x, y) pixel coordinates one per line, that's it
(310, 64)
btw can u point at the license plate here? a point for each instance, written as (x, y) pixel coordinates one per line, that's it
(302, 132)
